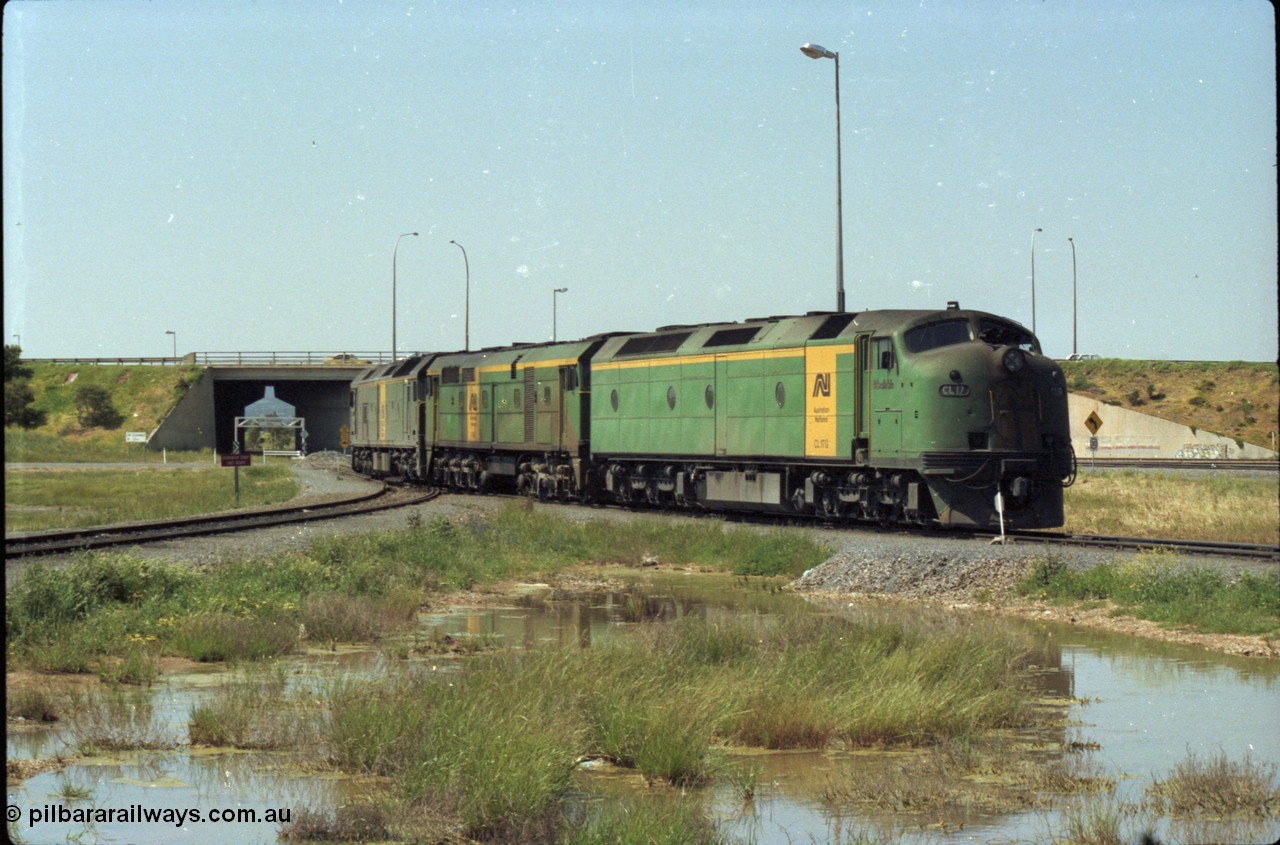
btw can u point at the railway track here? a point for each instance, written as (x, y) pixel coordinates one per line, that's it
(137, 533)
(1194, 464)
(84, 539)
(1251, 551)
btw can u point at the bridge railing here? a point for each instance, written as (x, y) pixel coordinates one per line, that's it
(243, 359)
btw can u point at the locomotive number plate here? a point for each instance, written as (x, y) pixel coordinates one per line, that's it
(958, 390)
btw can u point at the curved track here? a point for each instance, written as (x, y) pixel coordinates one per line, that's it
(101, 537)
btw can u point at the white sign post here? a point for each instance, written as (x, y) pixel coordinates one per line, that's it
(135, 437)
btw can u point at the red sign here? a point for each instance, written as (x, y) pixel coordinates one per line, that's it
(237, 460)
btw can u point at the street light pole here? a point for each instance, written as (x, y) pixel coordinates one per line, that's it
(1072, 241)
(175, 344)
(394, 250)
(813, 51)
(1033, 279)
(466, 314)
(553, 311)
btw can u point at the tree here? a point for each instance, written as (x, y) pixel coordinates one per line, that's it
(18, 399)
(94, 408)
(13, 366)
(18, 396)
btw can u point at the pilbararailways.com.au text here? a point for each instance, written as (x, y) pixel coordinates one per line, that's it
(139, 814)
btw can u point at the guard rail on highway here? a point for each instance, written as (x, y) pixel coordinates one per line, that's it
(243, 359)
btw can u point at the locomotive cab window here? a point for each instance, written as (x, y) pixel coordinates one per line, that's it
(935, 335)
(882, 353)
(1000, 333)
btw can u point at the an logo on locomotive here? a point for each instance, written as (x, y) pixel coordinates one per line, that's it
(822, 384)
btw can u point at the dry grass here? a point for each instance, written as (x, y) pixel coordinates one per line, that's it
(1217, 787)
(1165, 505)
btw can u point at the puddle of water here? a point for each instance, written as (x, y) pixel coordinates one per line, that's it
(1146, 705)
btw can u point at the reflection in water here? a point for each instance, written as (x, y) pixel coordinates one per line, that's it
(1145, 706)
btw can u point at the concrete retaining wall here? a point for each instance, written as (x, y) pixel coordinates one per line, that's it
(1129, 434)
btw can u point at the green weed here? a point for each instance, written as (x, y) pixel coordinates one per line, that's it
(1153, 586)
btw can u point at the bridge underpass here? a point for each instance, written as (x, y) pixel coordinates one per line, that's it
(205, 416)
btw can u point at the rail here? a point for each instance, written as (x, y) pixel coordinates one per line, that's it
(1222, 464)
(106, 536)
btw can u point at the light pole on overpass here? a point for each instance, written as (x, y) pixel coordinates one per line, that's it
(1072, 241)
(554, 293)
(466, 311)
(1033, 279)
(394, 250)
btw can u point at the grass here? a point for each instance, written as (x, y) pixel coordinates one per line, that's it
(87, 615)
(1218, 787)
(1218, 507)
(30, 703)
(655, 819)
(89, 447)
(250, 711)
(487, 748)
(37, 500)
(143, 395)
(1152, 586)
(1214, 799)
(110, 721)
(495, 742)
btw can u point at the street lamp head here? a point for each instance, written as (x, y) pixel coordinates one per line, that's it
(561, 290)
(1039, 229)
(815, 51)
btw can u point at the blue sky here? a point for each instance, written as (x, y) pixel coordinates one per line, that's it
(239, 173)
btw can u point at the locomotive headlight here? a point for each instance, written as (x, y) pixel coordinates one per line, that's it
(1013, 360)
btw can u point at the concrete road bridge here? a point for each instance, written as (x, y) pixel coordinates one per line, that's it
(315, 383)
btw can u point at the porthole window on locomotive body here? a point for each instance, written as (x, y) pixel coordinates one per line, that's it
(671, 398)
(613, 400)
(710, 396)
(780, 394)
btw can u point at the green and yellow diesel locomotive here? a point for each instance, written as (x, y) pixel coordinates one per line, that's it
(918, 417)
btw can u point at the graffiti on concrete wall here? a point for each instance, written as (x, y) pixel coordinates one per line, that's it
(1204, 452)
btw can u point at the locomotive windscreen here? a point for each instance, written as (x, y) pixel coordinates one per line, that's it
(933, 335)
(998, 333)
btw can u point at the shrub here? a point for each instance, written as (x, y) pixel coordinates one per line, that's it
(94, 408)
(221, 636)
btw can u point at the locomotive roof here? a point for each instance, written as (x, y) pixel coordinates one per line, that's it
(816, 327)
(523, 353)
(400, 368)
(770, 332)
